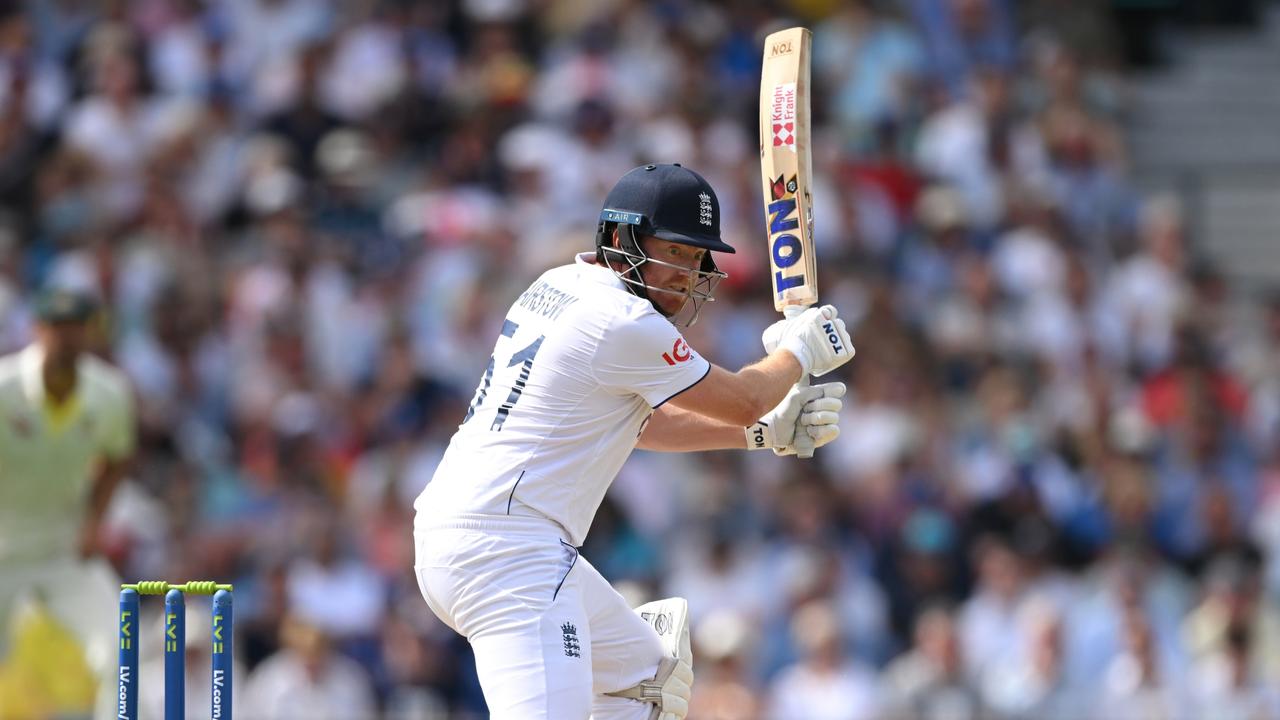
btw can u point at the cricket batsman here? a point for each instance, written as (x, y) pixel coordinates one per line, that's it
(589, 365)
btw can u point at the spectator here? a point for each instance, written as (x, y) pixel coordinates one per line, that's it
(962, 35)
(978, 144)
(1031, 683)
(722, 644)
(1135, 685)
(872, 64)
(987, 635)
(1229, 688)
(930, 681)
(307, 677)
(824, 685)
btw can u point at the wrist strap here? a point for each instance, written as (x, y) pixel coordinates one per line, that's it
(756, 436)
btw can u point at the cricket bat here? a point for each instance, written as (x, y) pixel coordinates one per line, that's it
(787, 176)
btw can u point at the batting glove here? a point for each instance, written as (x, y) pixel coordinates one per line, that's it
(816, 337)
(811, 409)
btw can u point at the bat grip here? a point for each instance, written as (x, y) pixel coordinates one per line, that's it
(802, 442)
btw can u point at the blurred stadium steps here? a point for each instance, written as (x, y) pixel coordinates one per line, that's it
(1209, 129)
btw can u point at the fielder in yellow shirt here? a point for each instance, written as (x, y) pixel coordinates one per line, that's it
(66, 434)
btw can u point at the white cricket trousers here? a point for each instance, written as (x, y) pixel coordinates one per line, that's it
(550, 634)
(83, 596)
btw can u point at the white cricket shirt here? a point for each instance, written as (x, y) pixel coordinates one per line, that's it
(576, 372)
(48, 456)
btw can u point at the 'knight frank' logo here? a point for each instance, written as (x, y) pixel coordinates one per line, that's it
(783, 116)
(571, 646)
(704, 209)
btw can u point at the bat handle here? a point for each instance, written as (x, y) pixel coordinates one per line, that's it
(802, 442)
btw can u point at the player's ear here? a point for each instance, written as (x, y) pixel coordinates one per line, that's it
(614, 240)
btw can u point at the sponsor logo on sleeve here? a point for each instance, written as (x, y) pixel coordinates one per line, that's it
(680, 352)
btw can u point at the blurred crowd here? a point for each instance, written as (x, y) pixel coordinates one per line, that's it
(1057, 489)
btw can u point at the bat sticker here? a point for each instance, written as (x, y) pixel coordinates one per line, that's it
(784, 246)
(783, 117)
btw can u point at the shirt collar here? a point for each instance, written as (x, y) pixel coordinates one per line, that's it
(591, 270)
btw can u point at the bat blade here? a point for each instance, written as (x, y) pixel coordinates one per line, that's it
(786, 167)
(786, 177)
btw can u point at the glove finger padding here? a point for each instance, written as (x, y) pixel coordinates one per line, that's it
(833, 389)
(819, 418)
(824, 405)
(824, 410)
(803, 394)
(822, 434)
(777, 427)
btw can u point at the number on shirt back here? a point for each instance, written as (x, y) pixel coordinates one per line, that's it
(523, 359)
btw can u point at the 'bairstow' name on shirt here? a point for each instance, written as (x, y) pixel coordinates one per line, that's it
(545, 300)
